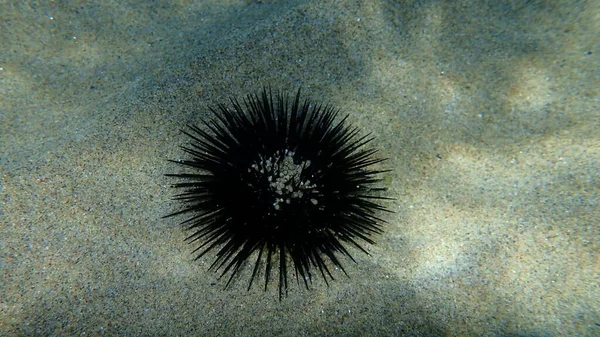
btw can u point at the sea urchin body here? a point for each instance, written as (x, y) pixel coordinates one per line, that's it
(279, 181)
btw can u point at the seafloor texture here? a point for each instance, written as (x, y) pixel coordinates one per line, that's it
(489, 112)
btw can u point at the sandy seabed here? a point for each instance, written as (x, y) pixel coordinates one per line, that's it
(489, 112)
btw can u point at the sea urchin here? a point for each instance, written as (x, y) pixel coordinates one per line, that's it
(285, 181)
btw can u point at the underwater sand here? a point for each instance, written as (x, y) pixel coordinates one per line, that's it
(489, 113)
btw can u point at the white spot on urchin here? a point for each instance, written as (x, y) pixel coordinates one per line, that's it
(286, 178)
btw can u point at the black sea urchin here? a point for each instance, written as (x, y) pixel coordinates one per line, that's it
(282, 180)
